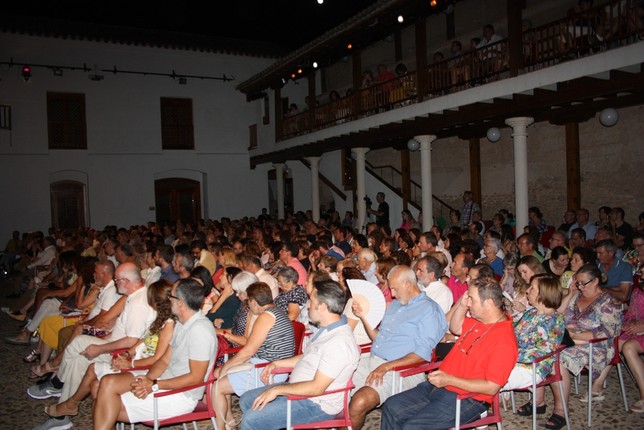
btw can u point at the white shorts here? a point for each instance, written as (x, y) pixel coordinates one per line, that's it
(521, 377)
(143, 409)
(390, 382)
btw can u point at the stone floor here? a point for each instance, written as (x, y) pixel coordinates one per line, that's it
(19, 412)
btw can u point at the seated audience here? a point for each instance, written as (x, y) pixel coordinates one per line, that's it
(480, 362)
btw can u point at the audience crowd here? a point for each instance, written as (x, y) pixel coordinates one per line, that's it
(122, 313)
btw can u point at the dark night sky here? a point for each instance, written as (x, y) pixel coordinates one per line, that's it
(290, 23)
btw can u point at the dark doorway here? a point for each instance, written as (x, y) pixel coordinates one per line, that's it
(177, 199)
(67, 204)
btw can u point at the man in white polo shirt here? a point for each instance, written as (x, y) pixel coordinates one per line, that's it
(327, 364)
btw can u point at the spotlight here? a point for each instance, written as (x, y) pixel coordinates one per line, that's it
(400, 19)
(493, 134)
(349, 46)
(299, 71)
(26, 73)
(433, 3)
(315, 64)
(320, 1)
(293, 75)
(608, 117)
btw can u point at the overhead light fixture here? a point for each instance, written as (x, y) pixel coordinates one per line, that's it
(320, 1)
(293, 75)
(493, 134)
(26, 73)
(413, 145)
(433, 3)
(401, 19)
(315, 64)
(283, 81)
(349, 46)
(608, 117)
(299, 71)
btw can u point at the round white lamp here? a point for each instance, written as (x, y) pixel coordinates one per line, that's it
(608, 117)
(493, 134)
(413, 145)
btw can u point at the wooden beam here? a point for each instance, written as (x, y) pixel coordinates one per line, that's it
(573, 169)
(406, 177)
(475, 169)
(421, 57)
(515, 38)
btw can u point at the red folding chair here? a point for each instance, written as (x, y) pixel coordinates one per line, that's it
(554, 377)
(343, 419)
(491, 417)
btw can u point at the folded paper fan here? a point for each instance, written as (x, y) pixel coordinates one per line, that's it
(370, 298)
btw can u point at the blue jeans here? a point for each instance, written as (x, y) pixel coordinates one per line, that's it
(427, 407)
(273, 416)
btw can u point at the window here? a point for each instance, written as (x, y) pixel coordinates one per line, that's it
(66, 121)
(176, 123)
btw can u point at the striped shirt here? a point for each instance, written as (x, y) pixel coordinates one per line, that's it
(280, 341)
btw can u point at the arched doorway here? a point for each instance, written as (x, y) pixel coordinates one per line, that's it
(177, 199)
(67, 204)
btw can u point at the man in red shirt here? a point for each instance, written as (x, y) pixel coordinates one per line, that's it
(480, 362)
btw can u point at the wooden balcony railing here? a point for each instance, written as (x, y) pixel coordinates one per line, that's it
(612, 24)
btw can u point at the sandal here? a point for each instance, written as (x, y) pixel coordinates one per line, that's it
(596, 397)
(526, 410)
(555, 422)
(638, 407)
(31, 357)
(59, 410)
(41, 370)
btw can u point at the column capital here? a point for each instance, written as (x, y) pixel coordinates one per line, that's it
(425, 141)
(313, 160)
(519, 121)
(428, 138)
(360, 151)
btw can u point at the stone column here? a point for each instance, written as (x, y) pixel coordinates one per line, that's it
(426, 179)
(315, 187)
(520, 137)
(279, 175)
(360, 186)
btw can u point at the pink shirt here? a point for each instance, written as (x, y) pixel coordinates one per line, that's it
(457, 287)
(301, 271)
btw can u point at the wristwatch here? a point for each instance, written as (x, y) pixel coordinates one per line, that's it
(155, 386)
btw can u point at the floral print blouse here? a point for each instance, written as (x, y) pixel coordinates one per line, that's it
(538, 335)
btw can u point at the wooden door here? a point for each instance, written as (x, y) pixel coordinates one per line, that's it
(177, 199)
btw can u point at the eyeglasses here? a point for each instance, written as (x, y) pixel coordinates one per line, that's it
(121, 279)
(579, 283)
(170, 296)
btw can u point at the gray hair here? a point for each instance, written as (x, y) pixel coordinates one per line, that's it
(289, 274)
(242, 281)
(607, 244)
(405, 274)
(496, 243)
(367, 254)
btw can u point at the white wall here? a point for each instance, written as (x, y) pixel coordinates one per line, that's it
(124, 153)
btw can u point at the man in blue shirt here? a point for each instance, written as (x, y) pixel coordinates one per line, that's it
(618, 272)
(412, 326)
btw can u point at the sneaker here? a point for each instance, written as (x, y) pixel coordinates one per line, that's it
(55, 424)
(44, 391)
(16, 315)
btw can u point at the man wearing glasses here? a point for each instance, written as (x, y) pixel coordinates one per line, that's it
(618, 272)
(186, 362)
(480, 362)
(130, 326)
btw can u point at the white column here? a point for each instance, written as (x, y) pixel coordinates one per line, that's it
(520, 136)
(315, 187)
(361, 191)
(426, 179)
(279, 175)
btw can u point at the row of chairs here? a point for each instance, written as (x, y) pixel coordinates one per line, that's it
(205, 411)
